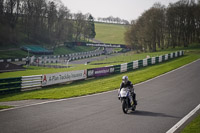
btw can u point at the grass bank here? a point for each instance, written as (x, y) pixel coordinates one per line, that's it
(61, 50)
(5, 107)
(110, 33)
(193, 127)
(112, 82)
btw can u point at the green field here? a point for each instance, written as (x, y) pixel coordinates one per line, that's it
(110, 33)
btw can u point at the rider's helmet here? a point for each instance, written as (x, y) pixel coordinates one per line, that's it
(125, 79)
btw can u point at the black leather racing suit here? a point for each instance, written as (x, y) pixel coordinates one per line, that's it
(130, 86)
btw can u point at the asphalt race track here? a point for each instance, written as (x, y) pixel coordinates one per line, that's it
(162, 101)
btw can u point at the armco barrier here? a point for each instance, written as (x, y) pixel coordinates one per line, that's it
(123, 67)
(149, 61)
(117, 68)
(104, 71)
(16, 84)
(9, 85)
(130, 66)
(31, 81)
(140, 63)
(135, 64)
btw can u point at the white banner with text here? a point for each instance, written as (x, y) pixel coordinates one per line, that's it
(55, 78)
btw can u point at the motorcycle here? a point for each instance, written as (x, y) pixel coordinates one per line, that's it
(123, 95)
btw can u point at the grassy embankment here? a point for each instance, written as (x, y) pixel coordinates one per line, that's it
(112, 82)
(110, 33)
(5, 107)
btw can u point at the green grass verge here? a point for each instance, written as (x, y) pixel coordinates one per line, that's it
(110, 33)
(13, 54)
(5, 107)
(193, 127)
(80, 88)
(64, 50)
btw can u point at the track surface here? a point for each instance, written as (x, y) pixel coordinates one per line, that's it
(162, 102)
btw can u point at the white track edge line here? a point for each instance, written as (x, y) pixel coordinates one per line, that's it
(97, 93)
(183, 120)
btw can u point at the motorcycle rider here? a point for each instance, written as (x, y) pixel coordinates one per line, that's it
(126, 83)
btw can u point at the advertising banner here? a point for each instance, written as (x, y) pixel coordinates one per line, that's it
(50, 79)
(98, 72)
(104, 45)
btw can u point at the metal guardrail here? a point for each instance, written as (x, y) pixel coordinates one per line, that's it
(9, 85)
(31, 81)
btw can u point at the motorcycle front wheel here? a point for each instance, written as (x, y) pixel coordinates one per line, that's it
(124, 107)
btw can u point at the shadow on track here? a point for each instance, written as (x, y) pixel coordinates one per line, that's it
(152, 114)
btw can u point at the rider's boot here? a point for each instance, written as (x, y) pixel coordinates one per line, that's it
(132, 102)
(135, 102)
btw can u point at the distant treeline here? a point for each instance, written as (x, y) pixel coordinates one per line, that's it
(163, 27)
(114, 20)
(42, 21)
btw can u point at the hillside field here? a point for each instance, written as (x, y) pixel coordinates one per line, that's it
(110, 33)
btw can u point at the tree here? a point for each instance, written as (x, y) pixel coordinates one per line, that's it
(42, 21)
(160, 27)
(79, 24)
(1, 10)
(52, 18)
(91, 27)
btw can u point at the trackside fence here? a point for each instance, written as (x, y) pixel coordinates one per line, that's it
(31, 81)
(10, 85)
(17, 84)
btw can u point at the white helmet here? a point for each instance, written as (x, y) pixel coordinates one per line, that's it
(125, 79)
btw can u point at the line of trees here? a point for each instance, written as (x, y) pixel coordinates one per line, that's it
(112, 19)
(161, 27)
(42, 21)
